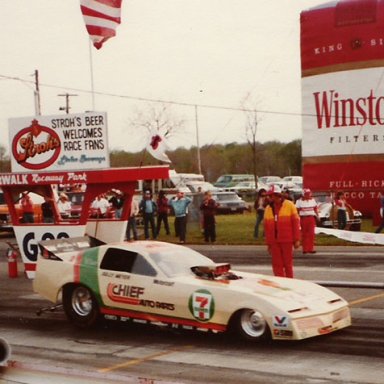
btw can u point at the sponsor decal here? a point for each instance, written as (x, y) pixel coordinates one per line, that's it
(126, 294)
(130, 294)
(202, 305)
(280, 321)
(36, 147)
(166, 283)
(282, 333)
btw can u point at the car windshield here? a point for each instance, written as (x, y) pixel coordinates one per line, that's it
(178, 261)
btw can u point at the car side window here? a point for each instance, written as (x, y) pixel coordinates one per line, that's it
(122, 260)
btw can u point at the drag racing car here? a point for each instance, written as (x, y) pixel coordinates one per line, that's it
(171, 284)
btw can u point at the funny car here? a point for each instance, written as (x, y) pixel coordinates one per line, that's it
(165, 283)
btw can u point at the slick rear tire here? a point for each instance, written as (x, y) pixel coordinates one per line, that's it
(80, 306)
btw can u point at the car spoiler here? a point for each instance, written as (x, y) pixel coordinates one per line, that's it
(51, 248)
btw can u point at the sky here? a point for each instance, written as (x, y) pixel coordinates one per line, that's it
(213, 54)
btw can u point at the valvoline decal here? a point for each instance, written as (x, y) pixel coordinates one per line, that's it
(36, 147)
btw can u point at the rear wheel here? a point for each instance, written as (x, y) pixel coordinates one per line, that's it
(251, 325)
(80, 305)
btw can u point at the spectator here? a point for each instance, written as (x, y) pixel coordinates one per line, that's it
(100, 206)
(117, 202)
(64, 206)
(282, 232)
(260, 204)
(131, 226)
(208, 207)
(381, 226)
(180, 207)
(149, 209)
(27, 208)
(47, 210)
(342, 205)
(162, 213)
(307, 208)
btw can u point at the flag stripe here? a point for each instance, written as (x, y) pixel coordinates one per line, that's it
(101, 18)
(95, 22)
(107, 12)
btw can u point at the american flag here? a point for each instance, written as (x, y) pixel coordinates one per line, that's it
(101, 19)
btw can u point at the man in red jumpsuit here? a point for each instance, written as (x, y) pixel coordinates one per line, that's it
(282, 232)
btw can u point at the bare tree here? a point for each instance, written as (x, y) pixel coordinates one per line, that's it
(251, 126)
(157, 117)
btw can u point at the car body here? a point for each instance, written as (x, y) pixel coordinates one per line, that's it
(298, 180)
(171, 284)
(226, 181)
(269, 179)
(328, 214)
(229, 202)
(201, 186)
(295, 191)
(248, 188)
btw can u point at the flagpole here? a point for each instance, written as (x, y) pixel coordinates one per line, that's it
(91, 69)
(197, 140)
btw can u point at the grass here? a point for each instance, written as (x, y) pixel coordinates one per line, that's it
(238, 230)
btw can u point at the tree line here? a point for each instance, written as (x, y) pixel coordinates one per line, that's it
(270, 158)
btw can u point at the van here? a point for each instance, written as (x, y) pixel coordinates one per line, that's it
(226, 181)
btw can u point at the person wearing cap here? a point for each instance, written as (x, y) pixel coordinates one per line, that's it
(307, 208)
(149, 210)
(117, 202)
(64, 206)
(180, 207)
(282, 231)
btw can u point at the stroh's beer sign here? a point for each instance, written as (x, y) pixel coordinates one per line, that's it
(72, 142)
(36, 147)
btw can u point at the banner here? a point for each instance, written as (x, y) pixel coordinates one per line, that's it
(59, 143)
(357, 237)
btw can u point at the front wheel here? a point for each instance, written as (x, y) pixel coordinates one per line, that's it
(251, 325)
(80, 306)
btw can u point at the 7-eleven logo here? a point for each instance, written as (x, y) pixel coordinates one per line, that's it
(202, 305)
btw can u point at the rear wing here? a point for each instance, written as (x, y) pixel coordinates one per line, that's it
(51, 248)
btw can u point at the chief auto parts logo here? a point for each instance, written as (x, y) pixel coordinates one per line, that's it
(36, 147)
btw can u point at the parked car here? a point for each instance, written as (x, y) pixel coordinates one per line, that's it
(328, 213)
(244, 188)
(298, 180)
(269, 179)
(227, 181)
(201, 186)
(163, 283)
(295, 191)
(229, 202)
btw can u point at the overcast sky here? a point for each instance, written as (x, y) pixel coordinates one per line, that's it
(210, 53)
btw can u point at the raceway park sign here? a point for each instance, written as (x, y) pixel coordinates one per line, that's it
(59, 143)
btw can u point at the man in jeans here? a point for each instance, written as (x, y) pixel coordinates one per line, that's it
(180, 207)
(149, 209)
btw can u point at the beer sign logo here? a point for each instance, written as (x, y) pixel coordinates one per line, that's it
(36, 147)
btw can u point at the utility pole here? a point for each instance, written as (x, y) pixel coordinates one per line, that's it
(37, 94)
(67, 107)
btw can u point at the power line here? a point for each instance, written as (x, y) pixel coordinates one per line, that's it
(208, 106)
